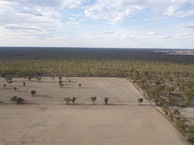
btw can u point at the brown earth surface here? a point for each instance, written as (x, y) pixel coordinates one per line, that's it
(45, 119)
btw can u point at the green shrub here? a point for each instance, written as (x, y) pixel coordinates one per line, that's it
(106, 100)
(67, 100)
(140, 100)
(33, 92)
(14, 98)
(73, 99)
(93, 99)
(19, 100)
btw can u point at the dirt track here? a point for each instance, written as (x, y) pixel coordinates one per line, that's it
(46, 120)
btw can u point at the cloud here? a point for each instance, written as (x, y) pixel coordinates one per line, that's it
(113, 11)
(35, 17)
(189, 26)
(108, 32)
(152, 33)
(118, 11)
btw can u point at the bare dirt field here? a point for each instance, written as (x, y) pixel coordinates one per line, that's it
(45, 119)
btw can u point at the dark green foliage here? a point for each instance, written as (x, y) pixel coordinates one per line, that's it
(33, 92)
(19, 100)
(106, 100)
(73, 99)
(4, 85)
(181, 125)
(16, 99)
(190, 138)
(67, 100)
(176, 112)
(24, 84)
(15, 88)
(60, 81)
(140, 100)
(80, 84)
(93, 99)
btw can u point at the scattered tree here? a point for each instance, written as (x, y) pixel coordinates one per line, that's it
(24, 84)
(33, 92)
(80, 84)
(106, 100)
(4, 85)
(14, 98)
(93, 99)
(73, 99)
(60, 81)
(140, 100)
(19, 100)
(67, 100)
(15, 88)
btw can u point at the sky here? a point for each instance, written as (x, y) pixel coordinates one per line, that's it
(97, 23)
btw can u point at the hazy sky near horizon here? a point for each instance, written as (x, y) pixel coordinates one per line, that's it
(97, 23)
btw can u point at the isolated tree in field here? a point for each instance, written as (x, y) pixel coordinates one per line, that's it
(140, 100)
(80, 84)
(93, 99)
(19, 100)
(60, 81)
(73, 99)
(33, 92)
(67, 100)
(4, 85)
(14, 98)
(106, 100)
(15, 88)
(24, 84)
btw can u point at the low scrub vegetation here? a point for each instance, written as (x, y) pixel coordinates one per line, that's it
(17, 100)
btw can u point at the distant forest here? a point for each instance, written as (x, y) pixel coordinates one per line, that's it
(90, 62)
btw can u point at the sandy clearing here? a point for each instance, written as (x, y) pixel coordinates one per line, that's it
(49, 121)
(119, 91)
